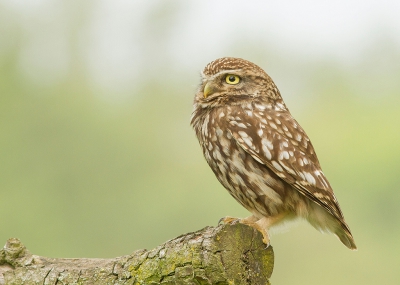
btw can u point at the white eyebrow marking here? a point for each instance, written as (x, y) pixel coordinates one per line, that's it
(233, 72)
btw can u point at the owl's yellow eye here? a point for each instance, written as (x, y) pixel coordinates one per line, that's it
(232, 79)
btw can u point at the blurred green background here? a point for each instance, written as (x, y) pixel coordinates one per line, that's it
(97, 158)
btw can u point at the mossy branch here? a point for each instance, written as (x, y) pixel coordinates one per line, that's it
(227, 254)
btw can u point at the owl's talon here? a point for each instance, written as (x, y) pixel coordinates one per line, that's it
(234, 222)
(266, 239)
(267, 245)
(228, 220)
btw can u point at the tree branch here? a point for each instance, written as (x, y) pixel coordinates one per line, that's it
(227, 254)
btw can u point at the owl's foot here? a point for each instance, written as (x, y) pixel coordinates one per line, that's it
(259, 225)
(228, 220)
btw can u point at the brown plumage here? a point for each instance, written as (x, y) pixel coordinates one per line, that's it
(258, 151)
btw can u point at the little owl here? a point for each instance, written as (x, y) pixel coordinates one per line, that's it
(259, 152)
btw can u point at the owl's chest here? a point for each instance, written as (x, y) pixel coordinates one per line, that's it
(225, 157)
(247, 181)
(216, 141)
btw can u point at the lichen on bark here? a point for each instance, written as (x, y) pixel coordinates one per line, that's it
(227, 254)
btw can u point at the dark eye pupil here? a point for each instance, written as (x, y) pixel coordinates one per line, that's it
(231, 78)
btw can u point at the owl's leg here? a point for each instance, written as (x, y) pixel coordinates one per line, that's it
(231, 220)
(249, 220)
(263, 224)
(268, 222)
(260, 225)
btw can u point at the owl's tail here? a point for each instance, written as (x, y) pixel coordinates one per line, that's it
(322, 220)
(346, 237)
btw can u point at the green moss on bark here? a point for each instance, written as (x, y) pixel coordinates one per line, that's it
(227, 254)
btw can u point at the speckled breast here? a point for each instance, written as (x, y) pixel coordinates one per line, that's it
(251, 183)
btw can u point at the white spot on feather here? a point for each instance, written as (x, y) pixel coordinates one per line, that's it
(204, 127)
(320, 195)
(267, 143)
(260, 107)
(288, 169)
(280, 106)
(277, 165)
(310, 179)
(246, 139)
(285, 154)
(243, 134)
(265, 149)
(289, 134)
(249, 113)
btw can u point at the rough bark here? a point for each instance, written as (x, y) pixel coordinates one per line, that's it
(227, 254)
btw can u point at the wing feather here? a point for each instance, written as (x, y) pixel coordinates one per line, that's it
(275, 139)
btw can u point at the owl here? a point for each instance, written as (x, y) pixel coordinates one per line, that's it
(259, 152)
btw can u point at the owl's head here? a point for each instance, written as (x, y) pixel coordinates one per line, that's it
(230, 80)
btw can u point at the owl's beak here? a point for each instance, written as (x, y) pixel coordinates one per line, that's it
(208, 89)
